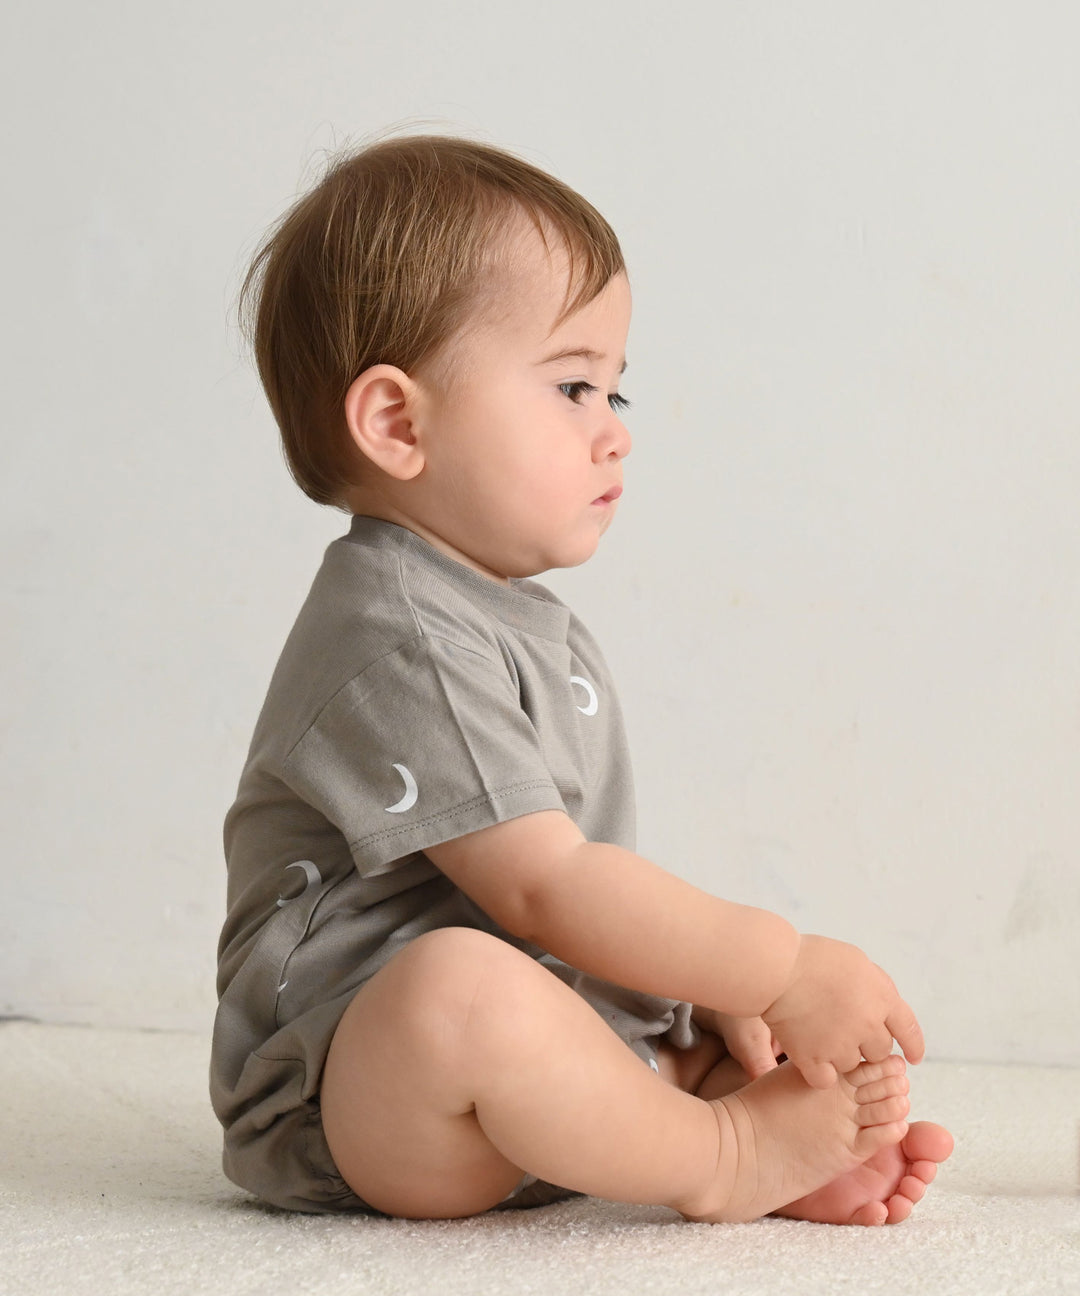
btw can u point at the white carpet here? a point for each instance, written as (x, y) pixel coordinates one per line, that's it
(109, 1183)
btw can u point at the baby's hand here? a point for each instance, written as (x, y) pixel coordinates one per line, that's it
(838, 1009)
(749, 1041)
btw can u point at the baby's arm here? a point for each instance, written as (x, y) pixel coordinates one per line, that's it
(609, 912)
(613, 914)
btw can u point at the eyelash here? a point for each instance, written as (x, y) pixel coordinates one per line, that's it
(618, 403)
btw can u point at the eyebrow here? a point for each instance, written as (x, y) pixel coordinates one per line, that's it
(579, 353)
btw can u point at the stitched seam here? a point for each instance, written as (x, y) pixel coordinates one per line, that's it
(359, 674)
(407, 596)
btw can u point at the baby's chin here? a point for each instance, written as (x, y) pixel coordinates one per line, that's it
(562, 559)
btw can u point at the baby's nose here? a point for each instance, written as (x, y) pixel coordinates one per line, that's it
(615, 442)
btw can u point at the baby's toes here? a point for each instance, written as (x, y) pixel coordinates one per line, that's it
(912, 1188)
(924, 1171)
(898, 1208)
(869, 1072)
(886, 1087)
(871, 1215)
(883, 1112)
(927, 1144)
(880, 1097)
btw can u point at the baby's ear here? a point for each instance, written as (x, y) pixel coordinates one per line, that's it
(379, 413)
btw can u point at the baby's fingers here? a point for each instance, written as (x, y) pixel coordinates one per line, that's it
(877, 1045)
(757, 1063)
(906, 1031)
(818, 1075)
(750, 1043)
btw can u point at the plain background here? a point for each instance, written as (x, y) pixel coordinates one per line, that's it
(841, 594)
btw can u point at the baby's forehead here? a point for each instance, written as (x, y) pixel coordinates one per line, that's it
(532, 254)
(531, 279)
(525, 284)
(534, 270)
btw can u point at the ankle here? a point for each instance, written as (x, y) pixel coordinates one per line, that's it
(714, 1172)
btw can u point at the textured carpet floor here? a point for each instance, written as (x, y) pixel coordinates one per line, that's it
(109, 1183)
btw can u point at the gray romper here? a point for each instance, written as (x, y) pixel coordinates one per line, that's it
(415, 700)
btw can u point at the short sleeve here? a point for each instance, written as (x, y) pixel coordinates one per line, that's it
(428, 743)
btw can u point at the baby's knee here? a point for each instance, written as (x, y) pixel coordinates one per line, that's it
(445, 972)
(460, 999)
(453, 952)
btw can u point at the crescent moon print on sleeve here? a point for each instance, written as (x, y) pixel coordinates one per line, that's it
(590, 708)
(411, 793)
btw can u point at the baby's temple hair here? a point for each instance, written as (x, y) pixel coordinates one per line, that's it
(382, 262)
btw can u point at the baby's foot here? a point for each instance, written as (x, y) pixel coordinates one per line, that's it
(883, 1189)
(780, 1139)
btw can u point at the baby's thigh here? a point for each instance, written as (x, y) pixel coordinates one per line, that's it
(396, 1093)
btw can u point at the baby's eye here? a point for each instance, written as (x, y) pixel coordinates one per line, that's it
(577, 391)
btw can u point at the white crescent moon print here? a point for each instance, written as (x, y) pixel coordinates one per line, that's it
(593, 703)
(409, 799)
(314, 878)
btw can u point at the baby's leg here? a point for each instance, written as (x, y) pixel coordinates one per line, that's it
(464, 1063)
(883, 1190)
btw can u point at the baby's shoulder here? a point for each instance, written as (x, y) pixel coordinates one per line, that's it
(378, 600)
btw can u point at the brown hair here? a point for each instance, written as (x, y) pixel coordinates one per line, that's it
(382, 263)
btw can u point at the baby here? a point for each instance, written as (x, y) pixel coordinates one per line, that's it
(447, 983)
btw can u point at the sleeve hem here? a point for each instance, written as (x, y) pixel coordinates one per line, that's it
(378, 852)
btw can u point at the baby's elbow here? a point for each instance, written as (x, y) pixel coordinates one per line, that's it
(530, 899)
(523, 908)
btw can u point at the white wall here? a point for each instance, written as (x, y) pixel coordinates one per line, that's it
(841, 596)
